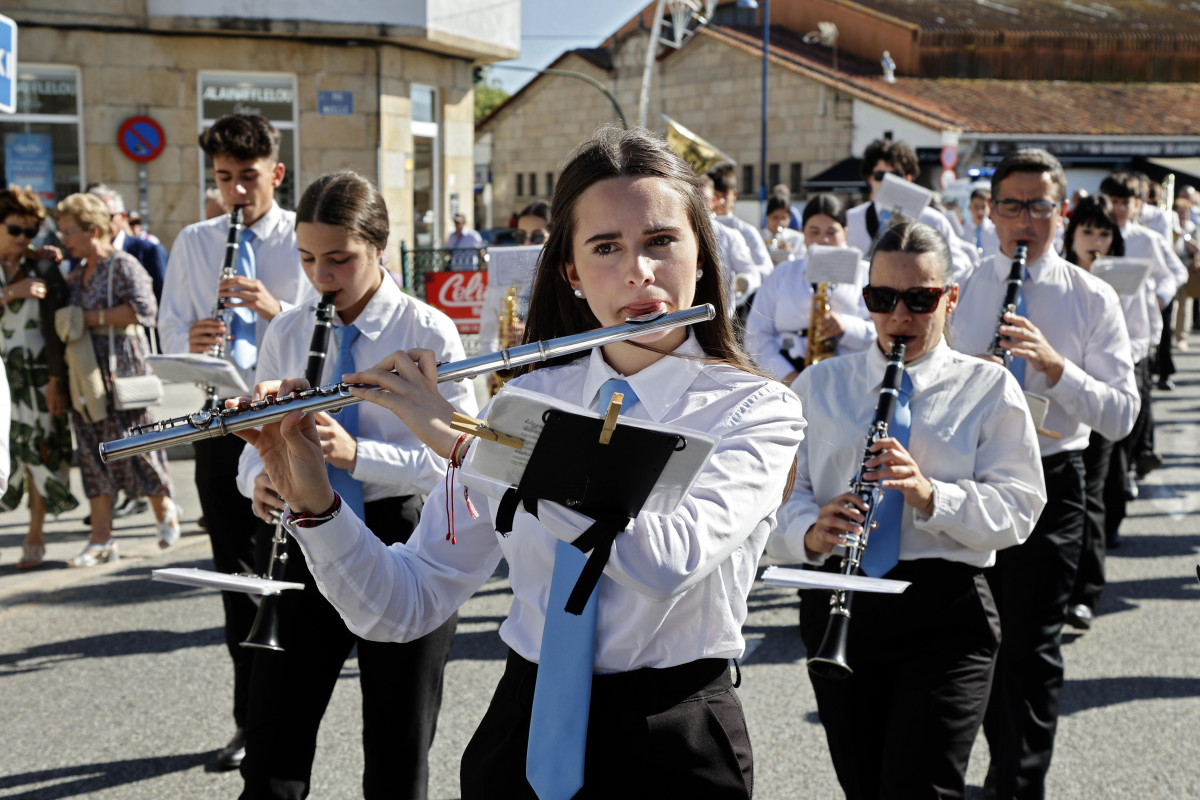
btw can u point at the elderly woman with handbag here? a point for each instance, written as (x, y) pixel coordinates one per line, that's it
(116, 298)
(39, 443)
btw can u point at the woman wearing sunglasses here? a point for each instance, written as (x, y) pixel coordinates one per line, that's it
(778, 324)
(533, 224)
(971, 481)
(40, 435)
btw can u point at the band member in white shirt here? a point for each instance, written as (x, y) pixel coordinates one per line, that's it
(978, 228)
(862, 222)
(903, 724)
(247, 170)
(725, 194)
(1070, 344)
(778, 325)
(631, 237)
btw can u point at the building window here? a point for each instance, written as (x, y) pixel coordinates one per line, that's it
(533, 184)
(42, 139)
(271, 95)
(797, 179)
(520, 184)
(772, 177)
(549, 184)
(427, 172)
(748, 188)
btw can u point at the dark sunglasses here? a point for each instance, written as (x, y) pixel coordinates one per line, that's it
(537, 237)
(918, 300)
(17, 230)
(879, 173)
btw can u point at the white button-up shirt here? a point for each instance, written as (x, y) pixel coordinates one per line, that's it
(1080, 316)
(675, 587)
(194, 271)
(782, 309)
(989, 241)
(759, 254)
(391, 461)
(964, 255)
(971, 435)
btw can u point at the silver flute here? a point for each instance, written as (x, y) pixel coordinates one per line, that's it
(252, 414)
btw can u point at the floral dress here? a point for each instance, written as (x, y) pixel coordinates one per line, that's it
(142, 475)
(37, 442)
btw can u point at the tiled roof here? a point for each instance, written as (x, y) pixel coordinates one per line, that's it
(1068, 16)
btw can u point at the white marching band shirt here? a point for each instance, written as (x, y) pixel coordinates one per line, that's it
(1081, 318)
(391, 460)
(971, 435)
(675, 587)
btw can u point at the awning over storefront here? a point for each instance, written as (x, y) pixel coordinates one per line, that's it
(842, 177)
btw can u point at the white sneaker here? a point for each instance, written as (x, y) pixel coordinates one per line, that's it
(168, 529)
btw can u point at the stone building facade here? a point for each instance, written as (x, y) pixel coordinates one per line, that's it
(389, 94)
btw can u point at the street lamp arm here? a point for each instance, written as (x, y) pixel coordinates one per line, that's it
(566, 73)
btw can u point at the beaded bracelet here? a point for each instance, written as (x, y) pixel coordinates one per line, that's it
(306, 519)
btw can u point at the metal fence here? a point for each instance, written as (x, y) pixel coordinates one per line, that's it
(416, 263)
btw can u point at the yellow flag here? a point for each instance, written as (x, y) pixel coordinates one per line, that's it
(699, 154)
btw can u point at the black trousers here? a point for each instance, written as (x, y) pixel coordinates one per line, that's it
(652, 734)
(1138, 443)
(1032, 584)
(289, 691)
(231, 524)
(1164, 363)
(1101, 479)
(903, 724)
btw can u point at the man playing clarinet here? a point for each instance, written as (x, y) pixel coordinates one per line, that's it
(246, 167)
(1070, 346)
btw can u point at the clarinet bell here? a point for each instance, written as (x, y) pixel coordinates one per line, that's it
(264, 634)
(830, 659)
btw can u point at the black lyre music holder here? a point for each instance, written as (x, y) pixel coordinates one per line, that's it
(607, 482)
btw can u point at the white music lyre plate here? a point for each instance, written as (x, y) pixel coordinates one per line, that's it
(813, 579)
(189, 576)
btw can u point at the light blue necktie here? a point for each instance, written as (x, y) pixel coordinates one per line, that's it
(346, 486)
(979, 237)
(883, 544)
(244, 346)
(562, 694)
(1017, 365)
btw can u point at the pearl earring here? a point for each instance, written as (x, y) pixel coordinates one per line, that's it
(699, 275)
(579, 293)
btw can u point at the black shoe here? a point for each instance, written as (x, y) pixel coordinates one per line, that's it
(1166, 384)
(1112, 542)
(202, 522)
(1079, 616)
(130, 507)
(230, 756)
(1147, 464)
(1130, 486)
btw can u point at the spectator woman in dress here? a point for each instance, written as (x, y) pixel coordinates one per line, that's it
(39, 437)
(83, 227)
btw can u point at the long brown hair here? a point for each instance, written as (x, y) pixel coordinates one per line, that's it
(614, 153)
(347, 200)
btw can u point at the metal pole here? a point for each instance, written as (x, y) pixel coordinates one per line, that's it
(566, 73)
(648, 72)
(762, 179)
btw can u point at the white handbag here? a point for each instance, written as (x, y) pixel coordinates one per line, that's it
(137, 391)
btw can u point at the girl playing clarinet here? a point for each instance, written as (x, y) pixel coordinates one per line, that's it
(970, 480)
(631, 238)
(382, 471)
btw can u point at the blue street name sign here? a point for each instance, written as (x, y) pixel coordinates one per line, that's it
(8, 65)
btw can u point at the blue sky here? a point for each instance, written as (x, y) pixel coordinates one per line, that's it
(549, 27)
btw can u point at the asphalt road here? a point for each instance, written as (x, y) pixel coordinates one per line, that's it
(114, 686)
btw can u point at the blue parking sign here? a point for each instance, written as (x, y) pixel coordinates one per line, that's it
(8, 65)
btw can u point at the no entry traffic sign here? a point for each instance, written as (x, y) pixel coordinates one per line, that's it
(141, 138)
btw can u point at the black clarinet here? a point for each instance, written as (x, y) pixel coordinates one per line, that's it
(264, 634)
(830, 659)
(222, 311)
(1016, 277)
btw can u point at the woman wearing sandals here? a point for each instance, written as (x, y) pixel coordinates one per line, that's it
(83, 227)
(39, 436)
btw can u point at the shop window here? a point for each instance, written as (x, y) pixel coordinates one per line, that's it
(271, 95)
(42, 138)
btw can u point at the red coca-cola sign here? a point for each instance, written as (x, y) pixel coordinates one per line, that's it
(459, 295)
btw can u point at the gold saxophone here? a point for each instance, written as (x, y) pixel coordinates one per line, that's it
(819, 349)
(508, 318)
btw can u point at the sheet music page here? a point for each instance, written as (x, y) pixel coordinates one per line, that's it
(904, 197)
(507, 267)
(518, 412)
(1038, 406)
(825, 264)
(813, 579)
(1126, 275)
(219, 580)
(197, 368)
